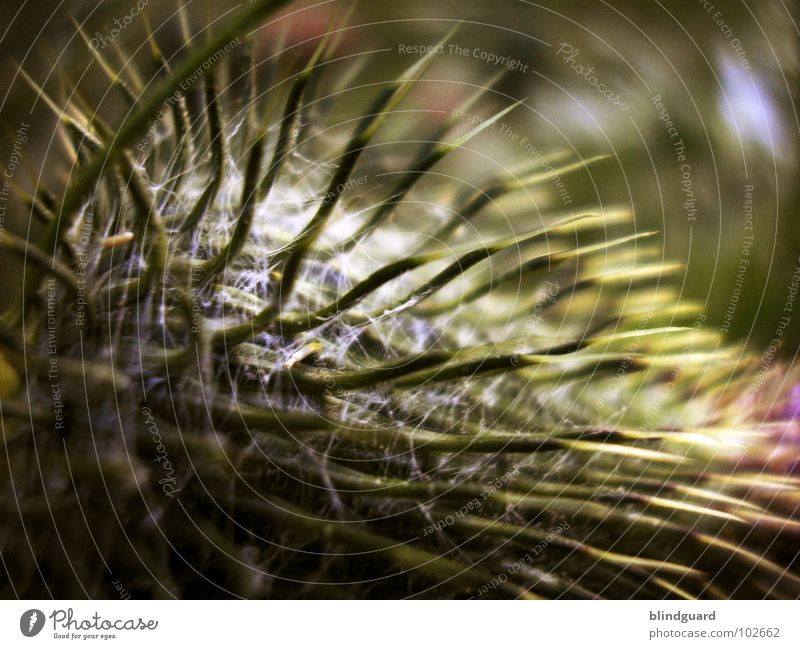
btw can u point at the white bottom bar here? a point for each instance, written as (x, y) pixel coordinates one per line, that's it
(401, 625)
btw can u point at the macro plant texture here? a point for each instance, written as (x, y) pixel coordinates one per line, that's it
(292, 330)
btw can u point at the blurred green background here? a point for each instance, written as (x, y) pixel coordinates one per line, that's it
(726, 73)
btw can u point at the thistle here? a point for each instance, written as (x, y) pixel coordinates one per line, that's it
(267, 354)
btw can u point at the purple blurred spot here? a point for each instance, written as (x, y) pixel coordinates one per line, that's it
(792, 407)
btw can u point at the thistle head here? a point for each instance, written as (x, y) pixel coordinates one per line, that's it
(306, 343)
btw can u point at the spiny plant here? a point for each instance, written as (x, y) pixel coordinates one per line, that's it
(266, 353)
